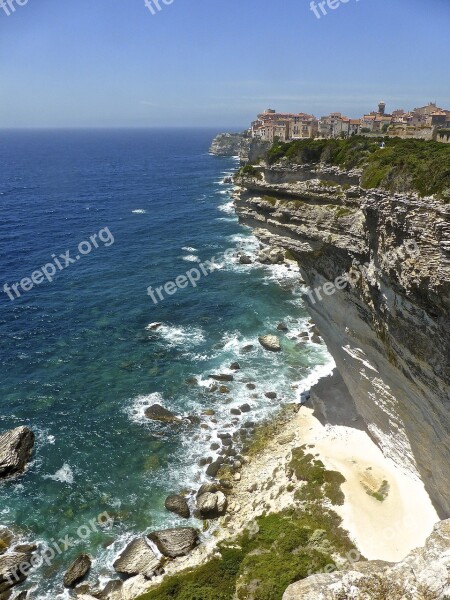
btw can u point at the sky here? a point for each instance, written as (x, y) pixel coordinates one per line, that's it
(216, 63)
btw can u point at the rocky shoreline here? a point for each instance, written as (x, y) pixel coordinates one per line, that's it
(323, 220)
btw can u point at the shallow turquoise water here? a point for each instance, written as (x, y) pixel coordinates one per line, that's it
(78, 363)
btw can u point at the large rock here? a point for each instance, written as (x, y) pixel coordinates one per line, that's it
(77, 570)
(137, 559)
(175, 542)
(13, 570)
(424, 569)
(211, 505)
(6, 539)
(178, 505)
(16, 448)
(270, 342)
(159, 413)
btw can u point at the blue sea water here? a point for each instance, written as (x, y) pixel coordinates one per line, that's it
(78, 362)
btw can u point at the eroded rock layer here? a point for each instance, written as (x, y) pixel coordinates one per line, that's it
(380, 268)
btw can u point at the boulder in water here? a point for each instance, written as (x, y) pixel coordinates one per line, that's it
(270, 342)
(16, 448)
(159, 413)
(77, 570)
(178, 505)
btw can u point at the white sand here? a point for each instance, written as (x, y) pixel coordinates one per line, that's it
(386, 530)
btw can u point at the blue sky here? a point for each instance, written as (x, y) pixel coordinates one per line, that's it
(111, 63)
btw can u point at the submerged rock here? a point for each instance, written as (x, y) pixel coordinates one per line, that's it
(77, 570)
(175, 542)
(270, 342)
(16, 448)
(270, 395)
(137, 558)
(178, 505)
(159, 413)
(222, 377)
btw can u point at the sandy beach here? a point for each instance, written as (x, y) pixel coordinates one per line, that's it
(386, 529)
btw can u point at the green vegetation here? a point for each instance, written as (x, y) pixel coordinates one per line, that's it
(402, 165)
(270, 199)
(319, 482)
(276, 549)
(249, 171)
(381, 494)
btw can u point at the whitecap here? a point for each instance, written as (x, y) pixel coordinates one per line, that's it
(136, 410)
(228, 207)
(189, 249)
(139, 211)
(180, 336)
(64, 475)
(191, 258)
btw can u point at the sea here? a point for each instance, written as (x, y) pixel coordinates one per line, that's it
(108, 214)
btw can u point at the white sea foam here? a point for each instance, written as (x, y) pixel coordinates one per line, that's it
(136, 409)
(64, 475)
(189, 249)
(191, 258)
(139, 211)
(174, 335)
(228, 208)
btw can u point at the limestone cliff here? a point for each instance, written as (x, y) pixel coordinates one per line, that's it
(387, 320)
(239, 144)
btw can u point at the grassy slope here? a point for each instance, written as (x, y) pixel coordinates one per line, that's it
(403, 165)
(276, 550)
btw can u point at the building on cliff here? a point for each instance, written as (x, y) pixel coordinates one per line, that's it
(420, 123)
(271, 125)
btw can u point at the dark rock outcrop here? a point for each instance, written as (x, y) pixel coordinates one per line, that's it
(77, 570)
(178, 505)
(156, 412)
(16, 448)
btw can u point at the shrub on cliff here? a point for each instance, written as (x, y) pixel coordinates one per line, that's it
(400, 166)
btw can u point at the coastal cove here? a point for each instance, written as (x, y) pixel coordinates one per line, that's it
(80, 364)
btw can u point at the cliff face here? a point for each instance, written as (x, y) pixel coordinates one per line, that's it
(239, 144)
(387, 320)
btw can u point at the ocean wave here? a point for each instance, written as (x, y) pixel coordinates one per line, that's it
(228, 207)
(63, 475)
(191, 258)
(189, 249)
(174, 335)
(138, 406)
(139, 211)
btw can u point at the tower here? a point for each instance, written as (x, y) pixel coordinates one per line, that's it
(381, 108)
